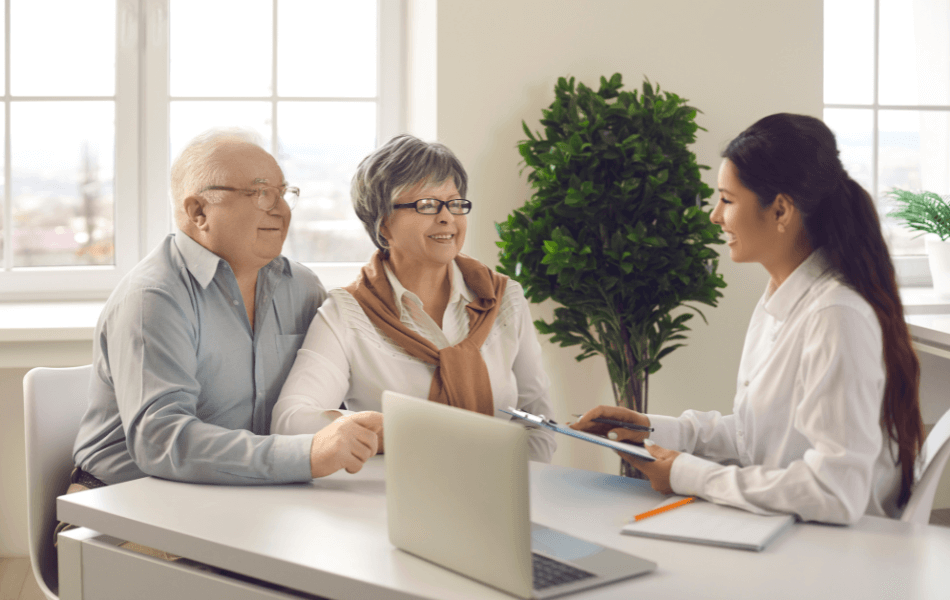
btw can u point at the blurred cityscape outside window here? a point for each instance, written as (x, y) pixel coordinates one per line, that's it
(58, 199)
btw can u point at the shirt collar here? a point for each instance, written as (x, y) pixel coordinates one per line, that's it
(784, 299)
(203, 264)
(458, 292)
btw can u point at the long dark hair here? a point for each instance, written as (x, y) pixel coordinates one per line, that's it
(797, 155)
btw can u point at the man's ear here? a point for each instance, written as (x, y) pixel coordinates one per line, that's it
(195, 210)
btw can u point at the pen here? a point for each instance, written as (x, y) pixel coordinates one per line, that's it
(624, 424)
(662, 509)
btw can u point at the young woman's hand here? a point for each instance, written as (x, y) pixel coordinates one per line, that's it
(658, 471)
(616, 413)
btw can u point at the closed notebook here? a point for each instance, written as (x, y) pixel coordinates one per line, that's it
(701, 522)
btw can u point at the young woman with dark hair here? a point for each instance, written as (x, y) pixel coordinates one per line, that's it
(826, 421)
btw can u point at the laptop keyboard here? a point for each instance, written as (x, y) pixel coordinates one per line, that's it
(549, 572)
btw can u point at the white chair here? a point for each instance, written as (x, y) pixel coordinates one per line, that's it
(53, 401)
(934, 456)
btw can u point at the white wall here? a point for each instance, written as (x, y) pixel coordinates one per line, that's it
(736, 61)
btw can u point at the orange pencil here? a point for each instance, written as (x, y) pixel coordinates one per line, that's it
(657, 511)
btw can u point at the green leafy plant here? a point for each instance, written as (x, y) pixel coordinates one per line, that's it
(925, 212)
(614, 231)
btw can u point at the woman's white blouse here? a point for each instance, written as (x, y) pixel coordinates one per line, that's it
(805, 436)
(345, 358)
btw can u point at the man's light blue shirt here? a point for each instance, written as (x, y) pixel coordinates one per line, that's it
(182, 387)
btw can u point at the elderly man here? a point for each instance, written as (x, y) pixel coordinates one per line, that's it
(194, 344)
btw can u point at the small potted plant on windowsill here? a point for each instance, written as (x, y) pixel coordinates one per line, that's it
(928, 213)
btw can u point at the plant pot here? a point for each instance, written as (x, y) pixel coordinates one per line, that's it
(938, 256)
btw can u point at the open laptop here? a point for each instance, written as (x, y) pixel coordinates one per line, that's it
(457, 495)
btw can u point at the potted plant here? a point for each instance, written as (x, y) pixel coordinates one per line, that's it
(927, 212)
(615, 231)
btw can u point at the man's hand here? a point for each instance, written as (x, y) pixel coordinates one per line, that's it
(346, 443)
(658, 471)
(617, 413)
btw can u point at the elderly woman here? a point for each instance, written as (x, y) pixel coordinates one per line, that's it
(826, 422)
(421, 318)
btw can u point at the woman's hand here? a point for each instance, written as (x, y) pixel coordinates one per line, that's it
(617, 413)
(658, 471)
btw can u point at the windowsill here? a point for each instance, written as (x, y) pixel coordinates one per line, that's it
(927, 315)
(49, 321)
(47, 334)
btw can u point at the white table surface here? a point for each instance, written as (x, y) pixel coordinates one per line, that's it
(329, 538)
(930, 329)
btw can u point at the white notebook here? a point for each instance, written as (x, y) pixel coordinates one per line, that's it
(701, 522)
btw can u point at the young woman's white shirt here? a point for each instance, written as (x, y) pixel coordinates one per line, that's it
(345, 358)
(805, 435)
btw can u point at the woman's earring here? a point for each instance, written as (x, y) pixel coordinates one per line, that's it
(781, 228)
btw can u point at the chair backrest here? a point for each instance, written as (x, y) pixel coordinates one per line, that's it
(934, 456)
(54, 401)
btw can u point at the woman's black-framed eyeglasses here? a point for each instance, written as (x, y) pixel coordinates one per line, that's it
(431, 206)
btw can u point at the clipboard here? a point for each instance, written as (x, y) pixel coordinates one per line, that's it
(542, 421)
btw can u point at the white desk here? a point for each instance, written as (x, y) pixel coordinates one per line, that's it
(329, 538)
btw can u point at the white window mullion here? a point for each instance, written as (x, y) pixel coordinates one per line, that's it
(390, 69)
(875, 137)
(274, 142)
(7, 247)
(154, 195)
(127, 208)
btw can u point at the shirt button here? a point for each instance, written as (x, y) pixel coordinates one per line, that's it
(235, 303)
(746, 383)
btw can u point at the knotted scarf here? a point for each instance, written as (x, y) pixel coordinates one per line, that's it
(461, 377)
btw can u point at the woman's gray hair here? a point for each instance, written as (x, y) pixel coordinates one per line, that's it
(400, 164)
(196, 168)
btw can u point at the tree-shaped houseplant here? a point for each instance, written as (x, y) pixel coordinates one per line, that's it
(615, 231)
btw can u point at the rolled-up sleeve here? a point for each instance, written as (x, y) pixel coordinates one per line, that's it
(153, 363)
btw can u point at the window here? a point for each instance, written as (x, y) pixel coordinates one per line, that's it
(887, 98)
(94, 119)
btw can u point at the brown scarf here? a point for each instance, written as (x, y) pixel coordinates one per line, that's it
(461, 377)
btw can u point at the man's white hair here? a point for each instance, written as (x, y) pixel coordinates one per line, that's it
(196, 168)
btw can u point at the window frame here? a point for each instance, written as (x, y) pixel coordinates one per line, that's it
(911, 270)
(142, 163)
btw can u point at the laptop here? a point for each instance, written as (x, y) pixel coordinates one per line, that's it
(457, 495)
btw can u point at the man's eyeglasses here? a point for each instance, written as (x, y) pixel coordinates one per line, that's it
(266, 196)
(431, 206)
